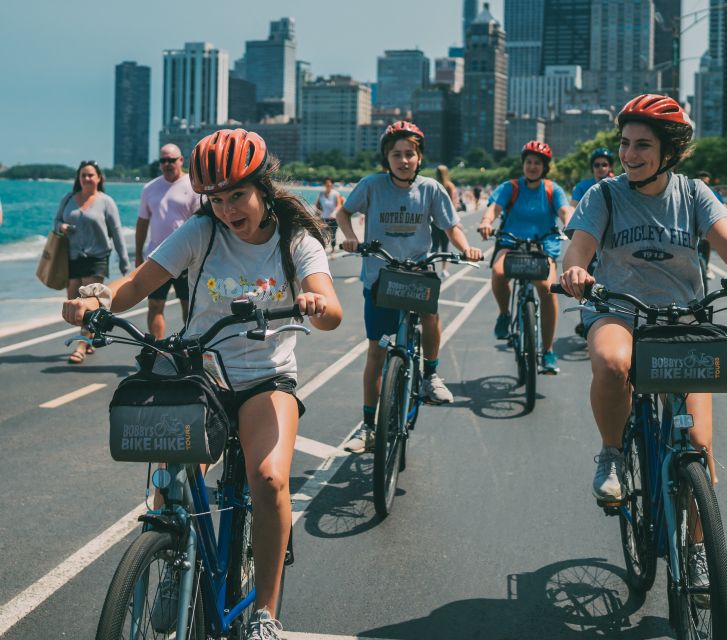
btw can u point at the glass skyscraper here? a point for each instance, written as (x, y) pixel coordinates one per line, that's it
(524, 29)
(131, 115)
(399, 74)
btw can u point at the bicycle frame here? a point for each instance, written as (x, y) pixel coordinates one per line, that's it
(523, 290)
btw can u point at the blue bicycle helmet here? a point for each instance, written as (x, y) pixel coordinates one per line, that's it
(602, 152)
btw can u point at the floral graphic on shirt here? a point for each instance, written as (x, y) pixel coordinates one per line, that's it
(259, 289)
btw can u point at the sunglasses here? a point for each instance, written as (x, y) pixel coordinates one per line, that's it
(600, 165)
(168, 160)
(85, 163)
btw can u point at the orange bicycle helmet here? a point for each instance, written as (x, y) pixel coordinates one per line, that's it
(538, 148)
(650, 106)
(225, 158)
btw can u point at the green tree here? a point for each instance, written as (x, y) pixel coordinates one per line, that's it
(575, 166)
(708, 154)
(478, 158)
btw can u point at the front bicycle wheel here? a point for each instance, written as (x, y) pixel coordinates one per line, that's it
(389, 443)
(701, 602)
(141, 602)
(635, 518)
(530, 355)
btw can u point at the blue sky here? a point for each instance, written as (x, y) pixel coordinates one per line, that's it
(57, 57)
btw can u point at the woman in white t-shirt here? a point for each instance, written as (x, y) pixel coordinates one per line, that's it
(249, 239)
(328, 203)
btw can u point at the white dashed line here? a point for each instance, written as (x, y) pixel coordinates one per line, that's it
(452, 303)
(315, 448)
(69, 397)
(351, 280)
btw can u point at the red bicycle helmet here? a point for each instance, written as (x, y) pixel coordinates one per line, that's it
(225, 158)
(539, 148)
(650, 106)
(401, 129)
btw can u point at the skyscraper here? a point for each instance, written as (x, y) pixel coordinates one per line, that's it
(469, 13)
(666, 17)
(131, 115)
(399, 74)
(195, 85)
(524, 30)
(270, 65)
(484, 97)
(567, 33)
(709, 81)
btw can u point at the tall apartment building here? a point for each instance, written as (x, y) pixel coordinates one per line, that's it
(543, 96)
(333, 109)
(567, 33)
(270, 65)
(195, 86)
(524, 29)
(242, 102)
(709, 81)
(131, 115)
(399, 74)
(449, 71)
(303, 75)
(437, 111)
(484, 97)
(622, 51)
(665, 14)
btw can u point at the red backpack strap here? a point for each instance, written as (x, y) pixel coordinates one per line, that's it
(549, 191)
(515, 185)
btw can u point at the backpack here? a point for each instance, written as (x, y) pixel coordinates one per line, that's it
(515, 184)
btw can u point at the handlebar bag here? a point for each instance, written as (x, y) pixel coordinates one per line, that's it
(407, 290)
(174, 419)
(527, 265)
(681, 358)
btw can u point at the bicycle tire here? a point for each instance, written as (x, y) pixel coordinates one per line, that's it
(388, 444)
(416, 382)
(638, 546)
(692, 619)
(530, 356)
(148, 559)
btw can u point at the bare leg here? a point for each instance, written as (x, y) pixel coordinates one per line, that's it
(431, 335)
(500, 284)
(372, 373)
(155, 318)
(548, 309)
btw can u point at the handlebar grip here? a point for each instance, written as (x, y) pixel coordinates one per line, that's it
(87, 317)
(282, 314)
(556, 288)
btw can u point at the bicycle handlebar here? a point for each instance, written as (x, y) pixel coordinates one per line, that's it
(536, 240)
(374, 249)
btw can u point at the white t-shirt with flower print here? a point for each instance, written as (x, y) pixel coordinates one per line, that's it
(236, 269)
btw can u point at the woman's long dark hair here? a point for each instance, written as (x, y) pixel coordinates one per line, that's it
(292, 214)
(99, 173)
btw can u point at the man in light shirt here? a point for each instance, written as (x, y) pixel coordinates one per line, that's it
(166, 203)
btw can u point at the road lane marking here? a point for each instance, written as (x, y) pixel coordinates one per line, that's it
(66, 332)
(352, 279)
(73, 395)
(475, 279)
(291, 635)
(315, 448)
(33, 596)
(718, 270)
(452, 303)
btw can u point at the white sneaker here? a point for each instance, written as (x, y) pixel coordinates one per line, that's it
(435, 389)
(362, 441)
(444, 274)
(608, 482)
(263, 627)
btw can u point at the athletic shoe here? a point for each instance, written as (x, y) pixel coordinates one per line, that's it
(550, 363)
(435, 389)
(263, 627)
(362, 441)
(698, 573)
(444, 274)
(608, 481)
(164, 610)
(502, 326)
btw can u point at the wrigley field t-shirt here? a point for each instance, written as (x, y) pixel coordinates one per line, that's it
(236, 269)
(401, 219)
(649, 247)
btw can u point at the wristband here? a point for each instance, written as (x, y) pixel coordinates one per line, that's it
(96, 290)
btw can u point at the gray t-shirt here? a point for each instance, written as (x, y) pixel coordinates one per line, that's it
(401, 219)
(649, 247)
(236, 269)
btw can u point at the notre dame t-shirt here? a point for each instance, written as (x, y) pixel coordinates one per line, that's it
(401, 219)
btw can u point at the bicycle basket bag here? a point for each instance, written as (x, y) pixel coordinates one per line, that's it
(175, 419)
(407, 290)
(527, 265)
(679, 358)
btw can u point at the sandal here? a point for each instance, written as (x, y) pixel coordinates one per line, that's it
(77, 357)
(89, 350)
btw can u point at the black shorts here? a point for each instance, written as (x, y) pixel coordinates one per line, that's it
(181, 288)
(232, 401)
(88, 267)
(332, 228)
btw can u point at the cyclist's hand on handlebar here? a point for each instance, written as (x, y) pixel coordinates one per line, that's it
(472, 253)
(73, 310)
(574, 281)
(311, 304)
(485, 229)
(350, 244)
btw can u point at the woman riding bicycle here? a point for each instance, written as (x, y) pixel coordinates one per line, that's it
(400, 207)
(646, 245)
(532, 206)
(256, 240)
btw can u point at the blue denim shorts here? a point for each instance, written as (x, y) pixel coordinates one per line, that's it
(379, 321)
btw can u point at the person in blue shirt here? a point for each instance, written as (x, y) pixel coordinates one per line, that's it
(601, 167)
(703, 247)
(534, 210)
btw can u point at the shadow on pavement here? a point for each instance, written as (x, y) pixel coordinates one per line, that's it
(345, 506)
(27, 358)
(493, 397)
(584, 599)
(571, 349)
(121, 371)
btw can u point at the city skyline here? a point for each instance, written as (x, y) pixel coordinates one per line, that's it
(61, 108)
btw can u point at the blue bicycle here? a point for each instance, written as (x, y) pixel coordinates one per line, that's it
(180, 578)
(412, 288)
(670, 509)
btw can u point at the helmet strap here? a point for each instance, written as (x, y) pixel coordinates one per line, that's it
(269, 213)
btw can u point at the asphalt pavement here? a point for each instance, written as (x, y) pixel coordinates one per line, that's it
(494, 533)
